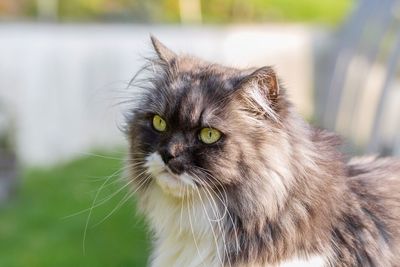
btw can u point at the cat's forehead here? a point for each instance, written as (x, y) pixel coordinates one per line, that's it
(195, 100)
(195, 94)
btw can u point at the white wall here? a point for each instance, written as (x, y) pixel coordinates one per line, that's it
(60, 83)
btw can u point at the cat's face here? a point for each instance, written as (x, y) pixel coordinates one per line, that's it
(196, 124)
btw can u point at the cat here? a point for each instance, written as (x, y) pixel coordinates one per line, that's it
(228, 174)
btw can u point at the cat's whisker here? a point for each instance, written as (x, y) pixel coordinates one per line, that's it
(218, 217)
(124, 153)
(134, 165)
(106, 179)
(104, 200)
(221, 230)
(91, 210)
(191, 225)
(99, 156)
(181, 217)
(107, 185)
(212, 180)
(94, 179)
(221, 187)
(205, 186)
(218, 186)
(115, 151)
(212, 227)
(94, 204)
(219, 196)
(124, 200)
(228, 212)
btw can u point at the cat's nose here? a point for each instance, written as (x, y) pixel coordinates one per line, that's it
(172, 150)
(166, 156)
(174, 162)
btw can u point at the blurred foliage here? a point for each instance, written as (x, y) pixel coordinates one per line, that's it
(326, 11)
(169, 11)
(35, 232)
(7, 130)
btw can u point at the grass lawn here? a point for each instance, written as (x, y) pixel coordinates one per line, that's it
(34, 230)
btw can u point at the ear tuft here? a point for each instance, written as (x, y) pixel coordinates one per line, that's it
(266, 81)
(259, 91)
(163, 52)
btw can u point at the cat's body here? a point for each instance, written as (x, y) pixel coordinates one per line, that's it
(270, 191)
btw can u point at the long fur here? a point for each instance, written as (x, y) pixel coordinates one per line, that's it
(272, 191)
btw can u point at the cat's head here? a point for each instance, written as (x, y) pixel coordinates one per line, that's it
(198, 124)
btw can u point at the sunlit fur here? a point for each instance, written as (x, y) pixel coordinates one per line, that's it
(273, 191)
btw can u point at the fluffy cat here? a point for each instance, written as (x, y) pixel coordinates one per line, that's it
(228, 174)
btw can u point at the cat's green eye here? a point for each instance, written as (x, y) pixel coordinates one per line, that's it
(159, 123)
(209, 135)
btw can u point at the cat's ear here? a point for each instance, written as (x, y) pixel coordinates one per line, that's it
(163, 52)
(263, 80)
(259, 90)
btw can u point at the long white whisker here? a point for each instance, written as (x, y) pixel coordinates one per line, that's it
(213, 180)
(208, 188)
(191, 226)
(183, 199)
(91, 210)
(216, 213)
(211, 226)
(100, 156)
(124, 200)
(95, 205)
(229, 214)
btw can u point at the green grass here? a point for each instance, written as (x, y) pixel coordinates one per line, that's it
(34, 230)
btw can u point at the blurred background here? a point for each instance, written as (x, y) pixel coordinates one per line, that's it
(65, 66)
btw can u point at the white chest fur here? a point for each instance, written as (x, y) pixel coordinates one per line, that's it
(315, 261)
(186, 231)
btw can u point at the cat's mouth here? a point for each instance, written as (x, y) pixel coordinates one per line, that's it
(175, 185)
(172, 184)
(168, 171)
